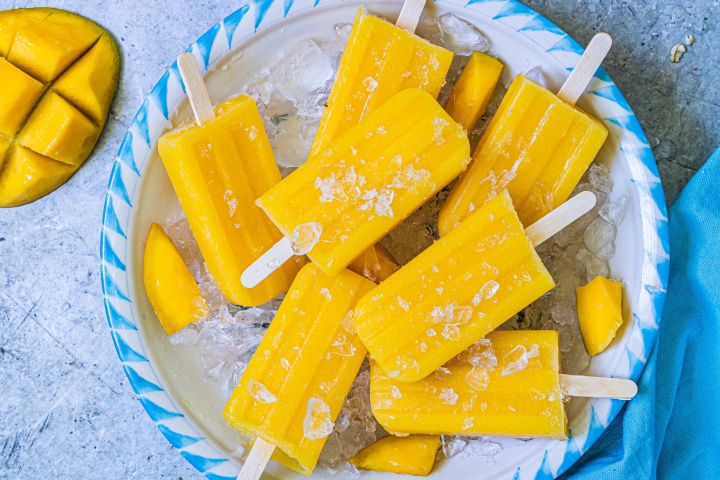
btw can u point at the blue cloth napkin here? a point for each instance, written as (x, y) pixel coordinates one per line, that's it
(671, 430)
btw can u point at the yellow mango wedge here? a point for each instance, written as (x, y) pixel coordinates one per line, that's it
(411, 455)
(59, 73)
(473, 90)
(173, 293)
(599, 309)
(375, 263)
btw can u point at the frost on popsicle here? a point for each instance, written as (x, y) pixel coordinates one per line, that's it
(317, 423)
(305, 236)
(260, 392)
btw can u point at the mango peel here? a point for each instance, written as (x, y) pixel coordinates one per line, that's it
(60, 73)
(599, 309)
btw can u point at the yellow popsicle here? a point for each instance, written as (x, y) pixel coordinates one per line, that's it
(296, 382)
(369, 179)
(218, 169)
(380, 60)
(507, 384)
(456, 291)
(537, 147)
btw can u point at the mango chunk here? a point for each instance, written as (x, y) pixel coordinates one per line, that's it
(473, 90)
(90, 83)
(411, 455)
(18, 95)
(58, 76)
(599, 309)
(375, 263)
(60, 131)
(46, 48)
(27, 175)
(13, 20)
(4, 148)
(173, 293)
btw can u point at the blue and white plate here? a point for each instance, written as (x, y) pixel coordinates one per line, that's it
(166, 378)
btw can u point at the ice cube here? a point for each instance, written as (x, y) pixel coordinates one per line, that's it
(303, 70)
(461, 36)
(599, 177)
(342, 33)
(598, 235)
(614, 212)
(292, 139)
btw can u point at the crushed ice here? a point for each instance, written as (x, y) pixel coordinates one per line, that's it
(305, 236)
(317, 423)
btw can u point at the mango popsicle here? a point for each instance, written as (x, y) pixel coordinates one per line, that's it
(380, 60)
(348, 196)
(296, 382)
(507, 384)
(218, 168)
(460, 288)
(537, 147)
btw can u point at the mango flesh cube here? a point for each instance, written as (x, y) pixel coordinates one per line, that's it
(456, 291)
(46, 48)
(537, 147)
(13, 20)
(217, 170)
(370, 178)
(60, 131)
(90, 83)
(173, 293)
(411, 455)
(507, 384)
(17, 97)
(599, 308)
(27, 175)
(296, 382)
(379, 61)
(51, 122)
(375, 264)
(473, 89)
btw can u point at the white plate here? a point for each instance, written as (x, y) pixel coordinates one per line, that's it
(166, 379)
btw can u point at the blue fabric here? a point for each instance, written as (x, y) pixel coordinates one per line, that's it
(671, 430)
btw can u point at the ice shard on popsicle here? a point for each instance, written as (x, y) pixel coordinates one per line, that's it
(350, 194)
(380, 60)
(537, 147)
(218, 169)
(459, 289)
(507, 384)
(295, 384)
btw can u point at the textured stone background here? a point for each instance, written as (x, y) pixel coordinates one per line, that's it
(66, 410)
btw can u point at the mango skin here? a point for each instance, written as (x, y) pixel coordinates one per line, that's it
(173, 293)
(62, 73)
(411, 455)
(599, 309)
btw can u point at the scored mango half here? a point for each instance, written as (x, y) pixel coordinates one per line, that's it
(411, 455)
(59, 73)
(599, 309)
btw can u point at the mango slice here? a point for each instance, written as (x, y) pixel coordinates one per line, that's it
(472, 91)
(375, 263)
(411, 455)
(599, 309)
(174, 295)
(19, 93)
(59, 75)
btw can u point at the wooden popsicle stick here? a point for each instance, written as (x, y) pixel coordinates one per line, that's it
(561, 217)
(268, 262)
(410, 15)
(597, 387)
(256, 461)
(585, 69)
(195, 88)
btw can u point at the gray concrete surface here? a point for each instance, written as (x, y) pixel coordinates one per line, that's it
(66, 410)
